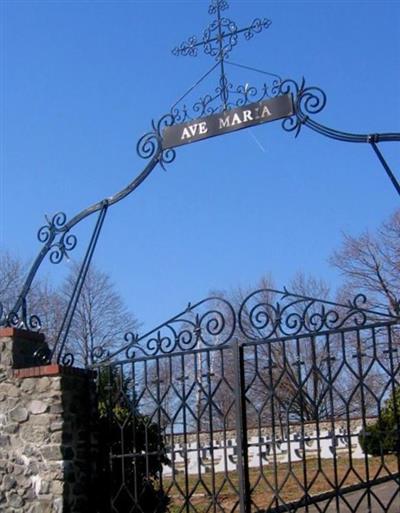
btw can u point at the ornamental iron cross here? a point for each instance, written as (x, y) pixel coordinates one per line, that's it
(219, 38)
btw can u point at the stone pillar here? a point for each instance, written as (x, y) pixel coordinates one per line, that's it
(47, 417)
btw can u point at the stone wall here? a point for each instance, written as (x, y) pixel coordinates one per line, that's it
(47, 419)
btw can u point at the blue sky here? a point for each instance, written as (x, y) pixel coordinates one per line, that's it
(81, 82)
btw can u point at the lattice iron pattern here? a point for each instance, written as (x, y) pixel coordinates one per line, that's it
(240, 416)
(313, 388)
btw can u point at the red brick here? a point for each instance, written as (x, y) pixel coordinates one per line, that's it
(21, 334)
(52, 370)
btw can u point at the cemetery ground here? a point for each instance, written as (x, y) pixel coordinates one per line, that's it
(319, 474)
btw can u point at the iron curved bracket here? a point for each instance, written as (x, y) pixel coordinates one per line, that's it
(56, 235)
(312, 100)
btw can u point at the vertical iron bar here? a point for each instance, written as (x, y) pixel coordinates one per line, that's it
(320, 467)
(108, 401)
(302, 420)
(395, 389)
(379, 405)
(259, 444)
(146, 424)
(241, 429)
(333, 423)
(274, 394)
(359, 356)
(123, 449)
(172, 419)
(185, 433)
(134, 446)
(197, 362)
(161, 430)
(291, 375)
(224, 364)
(211, 429)
(24, 311)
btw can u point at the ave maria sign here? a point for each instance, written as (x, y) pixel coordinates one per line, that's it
(228, 121)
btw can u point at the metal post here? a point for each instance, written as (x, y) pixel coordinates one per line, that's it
(241, 429)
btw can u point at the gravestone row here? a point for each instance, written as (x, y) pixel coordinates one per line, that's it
(221, 455)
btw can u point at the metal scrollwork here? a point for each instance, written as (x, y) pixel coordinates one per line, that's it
(188, 47)
(233, 96)
(132, 340)
(256, 27)
(99, 354)
(34, 323)
(150, 144)
(54, 225)
(212, 38)
(222, 5)
(12, 319)
(357, 306)
(66, 244)
(261, 316)
(167, 156)
(218, 40)
(266, 314)
(205, 324)
(221, 35)
(48, 232)
(67, 359)
(307, 100)
(16, 320)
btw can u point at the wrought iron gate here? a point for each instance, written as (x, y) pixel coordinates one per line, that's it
(282, 403)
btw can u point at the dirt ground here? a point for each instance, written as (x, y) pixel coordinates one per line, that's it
(320, 476)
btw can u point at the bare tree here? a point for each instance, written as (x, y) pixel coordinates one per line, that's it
(43, 300)
(11, 275)
(101, 318)
(370, 263)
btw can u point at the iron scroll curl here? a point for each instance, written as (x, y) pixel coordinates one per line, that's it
(204, 324)
(150, 144)
(306, 101)
(266, 313)
(208, 323)
(66, 243)
(58, 241)
(311, 100)
(263, 315)
(234, 97)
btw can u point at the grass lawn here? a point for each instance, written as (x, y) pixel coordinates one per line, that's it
(208, 489)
